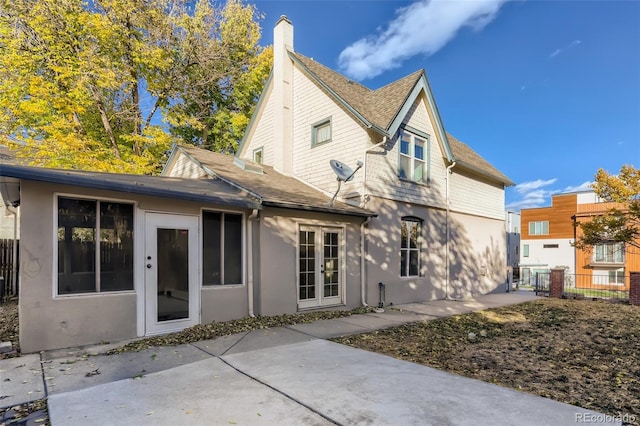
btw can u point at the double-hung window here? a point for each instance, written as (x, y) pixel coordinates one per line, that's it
(221, 248)
(608, 253)
(95, 246)
(413, 158)
(410, 247)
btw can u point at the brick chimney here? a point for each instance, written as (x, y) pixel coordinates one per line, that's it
(283, 96)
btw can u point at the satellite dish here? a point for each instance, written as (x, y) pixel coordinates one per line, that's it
(343, 173)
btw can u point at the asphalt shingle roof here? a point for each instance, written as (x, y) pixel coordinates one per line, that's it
(380, 107)
(274, 189)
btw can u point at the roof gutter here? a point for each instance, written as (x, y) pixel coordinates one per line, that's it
(505, 181)
(302, 207)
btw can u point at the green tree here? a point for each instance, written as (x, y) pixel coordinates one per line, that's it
(621, 223)
(82, 85)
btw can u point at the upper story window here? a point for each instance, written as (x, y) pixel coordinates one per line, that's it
(258, 155)
(95, 246)
(321, 132)
(608, 253)
(410, 247)
(413, 158)
(539, 228)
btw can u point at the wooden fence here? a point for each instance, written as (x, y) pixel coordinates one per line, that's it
(6, 267)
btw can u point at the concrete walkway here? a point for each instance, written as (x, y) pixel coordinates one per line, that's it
(285, 376)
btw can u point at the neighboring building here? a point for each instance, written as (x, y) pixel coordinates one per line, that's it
(548, 234)
(605, 266)
(110, 256)
(512, 226)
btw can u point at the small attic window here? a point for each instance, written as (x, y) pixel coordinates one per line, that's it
(257, 155)
(248, 165)
(321, 132)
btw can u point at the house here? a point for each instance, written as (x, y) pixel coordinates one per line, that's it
(548, 234)
(440, 225)
(605, 266)
(110, 256)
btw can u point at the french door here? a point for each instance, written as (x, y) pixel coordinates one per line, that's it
(172, 299)
(320, 273)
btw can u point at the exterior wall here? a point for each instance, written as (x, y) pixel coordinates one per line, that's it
(262, 132)
(382, 167)
(348, 139)
(548, 258)
(182, 166)
(472, 195)
(48, 321)
(559, 217)
(276, 291)
(477, 251)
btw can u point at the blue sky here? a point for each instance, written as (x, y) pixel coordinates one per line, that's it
(547, 91)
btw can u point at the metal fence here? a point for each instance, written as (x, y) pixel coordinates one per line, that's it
(8, 277)
(586, 286)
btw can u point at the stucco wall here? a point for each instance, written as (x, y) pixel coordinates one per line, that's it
(477, 254)
(48, 321)
(276, 291)
(550, 257)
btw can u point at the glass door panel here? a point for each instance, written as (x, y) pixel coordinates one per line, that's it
(173, 274)
(320, 266)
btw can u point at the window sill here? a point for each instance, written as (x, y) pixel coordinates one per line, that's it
(611, 265)
(426, 184)
(95, 294)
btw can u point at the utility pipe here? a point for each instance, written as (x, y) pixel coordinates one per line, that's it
(250, 295)
(448, 233)
(363, 259)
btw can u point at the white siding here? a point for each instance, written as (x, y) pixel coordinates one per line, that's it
(473, 196)
(348, 139)
(262, 135)
(182, 166)
(382, 170)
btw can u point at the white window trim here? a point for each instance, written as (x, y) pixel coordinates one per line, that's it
(535, 222)
(136, 238)
(243, 250)
(342, 251)
(413, 134)
(258, 150)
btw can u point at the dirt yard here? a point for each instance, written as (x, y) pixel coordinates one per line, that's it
(583, 353)
(9, 326)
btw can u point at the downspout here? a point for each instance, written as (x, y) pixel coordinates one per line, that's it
(363, 259)
(363, 227)
(250, 295)
(448, 236)
(14, 270)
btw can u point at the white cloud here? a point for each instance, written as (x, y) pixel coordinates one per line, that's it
(423, 27)
(563, 49)
(584, 186)
(527, 187)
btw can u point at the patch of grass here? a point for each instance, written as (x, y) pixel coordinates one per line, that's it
(583, 353)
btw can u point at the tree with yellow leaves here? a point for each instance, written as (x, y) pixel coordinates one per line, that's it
(621, 225)
(88, 85)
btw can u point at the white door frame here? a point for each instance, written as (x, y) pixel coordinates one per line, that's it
(319, 267)
(153, 222)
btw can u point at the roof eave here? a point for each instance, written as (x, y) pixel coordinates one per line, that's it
(503, 180)
(256, 110)
(327, 209)
(339, 99)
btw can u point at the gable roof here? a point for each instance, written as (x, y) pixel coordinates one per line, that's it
(468, 158)
(273, 189)
(201, 190)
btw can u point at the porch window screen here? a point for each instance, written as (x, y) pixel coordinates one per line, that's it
(410, 247)
(221, 248)
(95, 246)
